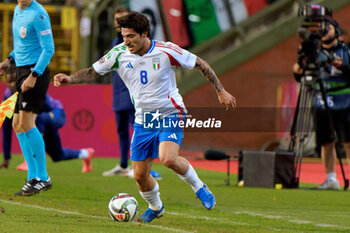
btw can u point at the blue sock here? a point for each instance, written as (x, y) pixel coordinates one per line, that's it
(37, 145)
(69, 154)
(28, 156)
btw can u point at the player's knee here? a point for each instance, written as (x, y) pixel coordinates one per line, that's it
(328, 146)
(17, 127)
(140, 178)
(23, 127)
(168, 161)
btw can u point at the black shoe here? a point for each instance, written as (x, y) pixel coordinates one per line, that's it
(34, 186)
(27, 188)
(44, 185)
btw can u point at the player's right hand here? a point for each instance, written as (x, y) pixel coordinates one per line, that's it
(61, 80)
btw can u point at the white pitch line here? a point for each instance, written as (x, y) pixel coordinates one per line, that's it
(88, 216)
(206, 218)
(100, 217)
(289, 219)
(286, 218)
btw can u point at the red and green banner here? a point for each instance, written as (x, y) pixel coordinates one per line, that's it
(202, 18)
(175, 17)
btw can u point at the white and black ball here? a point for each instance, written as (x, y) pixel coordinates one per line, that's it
(123, 207)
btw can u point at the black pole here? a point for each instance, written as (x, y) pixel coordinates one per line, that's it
(228, 171)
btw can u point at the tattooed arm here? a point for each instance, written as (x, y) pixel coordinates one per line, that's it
(209, 74)
(225, 98)
(81, 76)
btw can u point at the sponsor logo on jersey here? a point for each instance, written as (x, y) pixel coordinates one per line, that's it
(156, 62)
(173, 136)
(45, 32)
(102, 60)
(23, 32)
(129, 66)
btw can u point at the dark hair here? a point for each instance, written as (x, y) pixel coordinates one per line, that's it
(121, 9)
(136, 21)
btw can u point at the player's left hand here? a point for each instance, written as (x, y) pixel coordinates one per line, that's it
(227, 99)
(28, 83)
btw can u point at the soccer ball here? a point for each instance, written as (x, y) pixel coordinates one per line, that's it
(123, 207)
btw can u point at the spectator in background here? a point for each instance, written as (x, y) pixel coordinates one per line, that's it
(122, 107)
(48, 122)
(33, 48)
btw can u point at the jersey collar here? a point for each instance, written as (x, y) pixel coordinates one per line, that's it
(151, 47)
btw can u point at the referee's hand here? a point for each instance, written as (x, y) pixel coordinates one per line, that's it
(4, 66)
(28, 83)
(61, 80)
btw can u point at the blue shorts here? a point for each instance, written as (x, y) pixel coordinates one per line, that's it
(145, 141)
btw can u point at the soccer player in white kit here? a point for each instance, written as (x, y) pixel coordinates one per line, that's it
(147, 68)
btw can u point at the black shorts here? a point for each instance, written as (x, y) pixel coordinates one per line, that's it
(341, 119)
(32, 100)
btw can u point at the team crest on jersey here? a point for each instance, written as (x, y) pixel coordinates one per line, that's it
(156, 62)
(23, 32)
(102, 60)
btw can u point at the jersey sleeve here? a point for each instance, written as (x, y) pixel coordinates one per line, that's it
(43, 30)
(12, 54)
(109, 61)
(177, 55)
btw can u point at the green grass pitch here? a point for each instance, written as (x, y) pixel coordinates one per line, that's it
(78, 203)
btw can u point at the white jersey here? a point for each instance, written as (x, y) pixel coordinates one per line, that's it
(150, 78)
